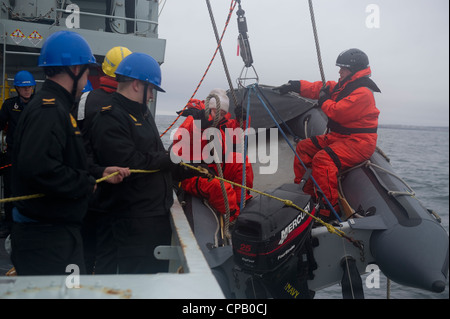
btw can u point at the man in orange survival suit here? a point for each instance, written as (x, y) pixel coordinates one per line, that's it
(352, 124)
(232, 164)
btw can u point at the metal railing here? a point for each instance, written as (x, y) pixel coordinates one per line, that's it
(108, 16)
(57, 17)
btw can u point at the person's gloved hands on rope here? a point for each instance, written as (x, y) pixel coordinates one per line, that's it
(324, 95)
(205, 171)
(291, 86)
(181, 172)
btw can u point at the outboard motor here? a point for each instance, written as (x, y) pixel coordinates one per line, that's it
(272, 244)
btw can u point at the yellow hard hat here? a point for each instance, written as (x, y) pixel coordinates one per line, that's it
(112, 60)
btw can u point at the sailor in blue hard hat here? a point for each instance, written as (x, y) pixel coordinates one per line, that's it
(66, 53)
(145, 69)
(24, 84)
(10, 112)
(49, 158)
(125, 134)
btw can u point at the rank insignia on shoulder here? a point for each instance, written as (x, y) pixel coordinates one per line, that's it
(49, 101)
(106, 108)
(135, 120)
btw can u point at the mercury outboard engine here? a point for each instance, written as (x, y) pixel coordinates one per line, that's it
(272, 245)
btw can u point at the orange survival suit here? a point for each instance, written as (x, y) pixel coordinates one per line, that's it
(232, 163)
(351, 138)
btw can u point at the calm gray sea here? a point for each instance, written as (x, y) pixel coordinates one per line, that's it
(419, 155)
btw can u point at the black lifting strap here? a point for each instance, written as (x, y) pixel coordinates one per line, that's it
(351, 282)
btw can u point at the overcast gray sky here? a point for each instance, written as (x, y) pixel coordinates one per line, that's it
(408, 50)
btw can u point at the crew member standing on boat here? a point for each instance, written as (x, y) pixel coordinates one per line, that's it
(124, 133)
(100, 251)
(49, 159)
(232, 164)
(10, 112)
(352, 125)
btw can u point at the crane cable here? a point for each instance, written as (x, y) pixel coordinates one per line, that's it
(316, 39)
(222, 55)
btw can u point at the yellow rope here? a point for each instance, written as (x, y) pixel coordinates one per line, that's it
(19, 198)
(329, 227)
(289, 203)
(12, 271)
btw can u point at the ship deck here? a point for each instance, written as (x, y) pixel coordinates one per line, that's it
(189, 275)
(5, 260)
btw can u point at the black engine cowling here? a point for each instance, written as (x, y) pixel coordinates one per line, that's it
(268, 233)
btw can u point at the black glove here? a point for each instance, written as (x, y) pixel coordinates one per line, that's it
(240, 112)
(324, 95)
(181, 172)
(196, 113)
(291, 86)
(206, 171)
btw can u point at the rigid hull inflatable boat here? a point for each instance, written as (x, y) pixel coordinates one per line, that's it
(387, 225)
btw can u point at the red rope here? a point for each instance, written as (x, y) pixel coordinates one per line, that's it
(8, 165)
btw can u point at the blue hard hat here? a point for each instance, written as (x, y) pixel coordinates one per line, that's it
(66, 48)
(24, 78)
(142, 67)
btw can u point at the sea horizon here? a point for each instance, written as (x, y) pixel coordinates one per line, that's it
(392, 126)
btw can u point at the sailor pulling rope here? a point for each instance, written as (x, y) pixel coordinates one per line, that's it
(208, 175)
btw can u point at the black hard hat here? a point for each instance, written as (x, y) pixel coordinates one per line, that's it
(353, 59)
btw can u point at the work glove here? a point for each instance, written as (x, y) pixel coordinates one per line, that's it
(181, 172)
(324, 95)
(195, 113)
(240, 112)
(291, 86)
(206, 171)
